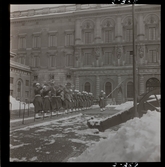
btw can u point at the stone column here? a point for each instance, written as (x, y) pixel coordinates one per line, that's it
(77, 32)
(119, 27)
(97, 31)
(77, 83)
(97, 86)
(141, 83)
(119, 93)
(140, 27)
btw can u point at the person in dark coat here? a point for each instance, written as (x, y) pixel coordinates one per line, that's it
(46, 99)
(38, 101)
(101, 100)
(53, 99)
(67, 99)
(59, 98)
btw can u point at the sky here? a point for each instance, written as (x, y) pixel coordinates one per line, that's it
(33, 6)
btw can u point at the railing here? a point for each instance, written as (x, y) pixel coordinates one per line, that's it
(59, 9)
(20, 109)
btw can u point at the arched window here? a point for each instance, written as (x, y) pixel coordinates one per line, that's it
(152, 83)
(127, 27)
(152, 27)
(87, 87)
(108, 30)
(108, 89)
(87, 31)
(130, 89)
(19, 89)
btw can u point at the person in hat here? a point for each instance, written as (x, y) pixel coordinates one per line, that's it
(67, 99)
(75, 99)
(80, 101)
(101, 100)
(59, 98)
(46, 99)
(38, 101)
(53, 98)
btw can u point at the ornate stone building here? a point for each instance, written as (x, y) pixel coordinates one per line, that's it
(90, 46)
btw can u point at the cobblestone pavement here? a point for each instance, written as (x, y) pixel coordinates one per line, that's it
(53, 140)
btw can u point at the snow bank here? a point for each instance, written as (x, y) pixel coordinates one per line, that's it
(122, 107)
(15, 104)
(138, 140)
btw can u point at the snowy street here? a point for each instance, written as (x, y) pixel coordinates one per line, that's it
(67, 138)
(56, 139)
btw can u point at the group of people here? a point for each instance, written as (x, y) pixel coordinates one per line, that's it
(50, 98)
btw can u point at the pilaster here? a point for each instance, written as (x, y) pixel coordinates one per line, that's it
(119, 30)
(77, 32)
(97, 86)
(140, 28)
(97, 31)
(141, 84)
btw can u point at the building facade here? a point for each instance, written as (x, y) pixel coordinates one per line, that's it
(20, 80)
(90, 46)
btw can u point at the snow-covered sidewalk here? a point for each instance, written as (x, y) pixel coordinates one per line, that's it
(138, 140)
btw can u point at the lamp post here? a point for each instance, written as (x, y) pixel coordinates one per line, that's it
(134, 63)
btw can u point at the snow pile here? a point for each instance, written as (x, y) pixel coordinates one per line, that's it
(95, 106)
(124, 106)
(138, 140)
(15, 104)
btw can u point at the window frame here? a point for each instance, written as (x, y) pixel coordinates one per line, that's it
(150, 57)
(27, 82)
(89, 86)
(109, 58)
(36, 44)
(87, 60)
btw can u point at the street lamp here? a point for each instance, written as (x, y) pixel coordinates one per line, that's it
(134, 62)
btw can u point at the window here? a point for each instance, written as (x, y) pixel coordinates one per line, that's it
(36, 41)
(108, 36)
(52, 60)
(19, 89)
(36, 59)
(26, 94)
(11, 80)
(108, 89)
(108, 58)
(152, 56)
(128, 35)
(129, 57)
(69, 60)
(21, 43)
(152, 33)
(130, 90)
(69, 39)
(87, 59)
(52, 40)
(88, 37)
(27, 82)
(35, 77)
(87, 87)
(152, 83)
(11, 92)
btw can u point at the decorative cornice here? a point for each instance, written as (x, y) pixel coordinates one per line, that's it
(82, 13)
